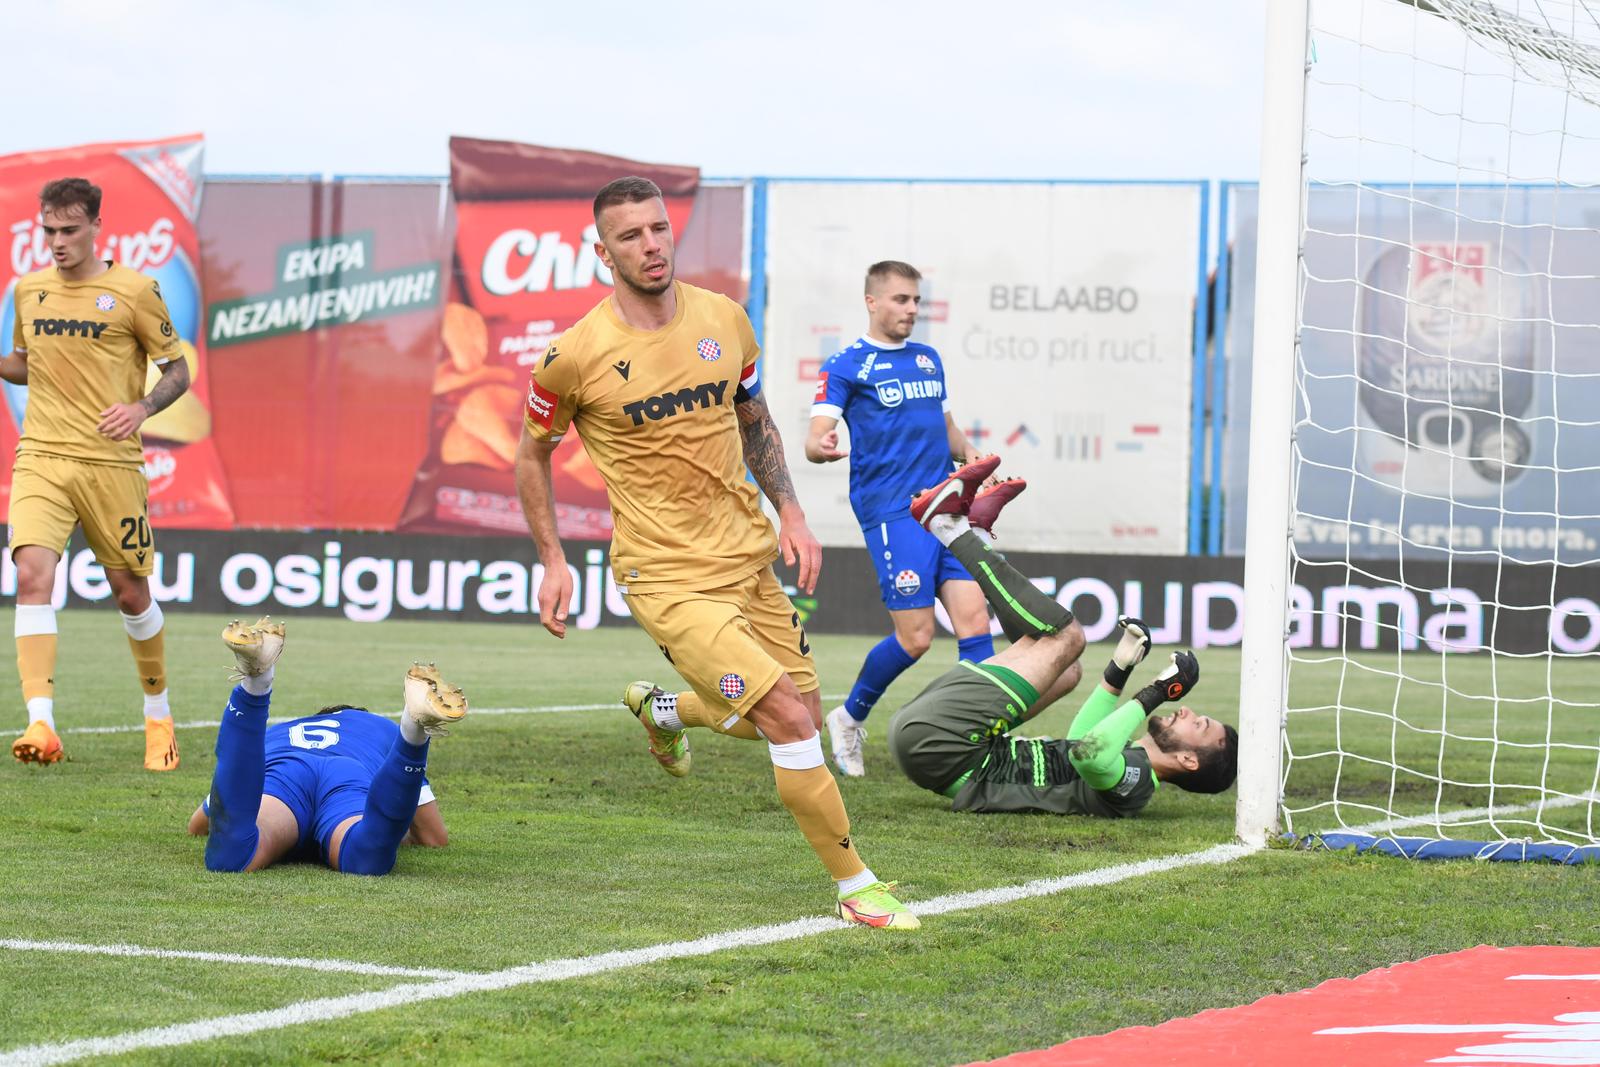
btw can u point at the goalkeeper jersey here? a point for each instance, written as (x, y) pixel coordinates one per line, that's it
(1020, 774)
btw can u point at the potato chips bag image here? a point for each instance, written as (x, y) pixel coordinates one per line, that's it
(526, 268)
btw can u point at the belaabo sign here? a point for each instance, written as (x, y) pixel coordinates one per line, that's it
(1064, 315)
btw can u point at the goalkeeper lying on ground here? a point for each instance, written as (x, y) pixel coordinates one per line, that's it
(955, 738)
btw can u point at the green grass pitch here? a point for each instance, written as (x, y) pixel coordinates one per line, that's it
(568, 841)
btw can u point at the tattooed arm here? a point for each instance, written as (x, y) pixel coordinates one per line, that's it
(119, 421)
(763, 454)
(172, 384)
(763, 451)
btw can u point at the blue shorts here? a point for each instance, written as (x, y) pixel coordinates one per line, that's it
(911, 563)
(322, 791)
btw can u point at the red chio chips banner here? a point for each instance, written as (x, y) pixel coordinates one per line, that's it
(525, 270)
(152, 197)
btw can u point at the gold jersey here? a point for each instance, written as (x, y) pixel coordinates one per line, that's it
(87, 344)
(655, 410)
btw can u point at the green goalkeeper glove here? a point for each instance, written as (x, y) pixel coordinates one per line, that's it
(1130, 651)
(1173, 683)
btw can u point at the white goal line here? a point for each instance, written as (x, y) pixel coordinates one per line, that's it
(328, 1008)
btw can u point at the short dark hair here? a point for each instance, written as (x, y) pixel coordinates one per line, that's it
(885, 267)
(630, 190)
(1218, 768)
(65, 192)
(334, 709)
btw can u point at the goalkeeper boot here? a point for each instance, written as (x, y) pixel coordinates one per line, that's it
(953, 496)
(876, 906)
(987, 504)
(669, 747)
(431, 702)
(845, 735)
(38, 744)
(160, 745)
(256, 646)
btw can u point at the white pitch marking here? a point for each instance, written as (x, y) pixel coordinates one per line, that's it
(327, 1008)
(201, 724)
(1044, 887)
(340, 966)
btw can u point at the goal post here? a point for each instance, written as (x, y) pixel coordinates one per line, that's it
(1263, 664)
(1421, 632)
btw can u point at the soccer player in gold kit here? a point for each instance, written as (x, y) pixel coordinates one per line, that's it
(660, 381)
(85, 328)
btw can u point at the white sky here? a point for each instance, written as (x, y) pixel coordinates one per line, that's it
(1127, 89)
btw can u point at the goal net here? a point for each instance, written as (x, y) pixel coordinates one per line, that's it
(1441, 686)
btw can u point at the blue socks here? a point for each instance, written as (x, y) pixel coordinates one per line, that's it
(371, 845)
(886, 662)
(236, 783)
(975, 649)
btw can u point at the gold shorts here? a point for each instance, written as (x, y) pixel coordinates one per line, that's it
(51, 494)
(729, 644)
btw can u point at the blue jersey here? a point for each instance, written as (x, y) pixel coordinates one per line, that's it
(348, 734)
(893, 401)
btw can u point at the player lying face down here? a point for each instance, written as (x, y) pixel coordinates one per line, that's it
(343, 787)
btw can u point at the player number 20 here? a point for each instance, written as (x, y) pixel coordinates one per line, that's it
(805, 646)
(135, 533)
(320, 733)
